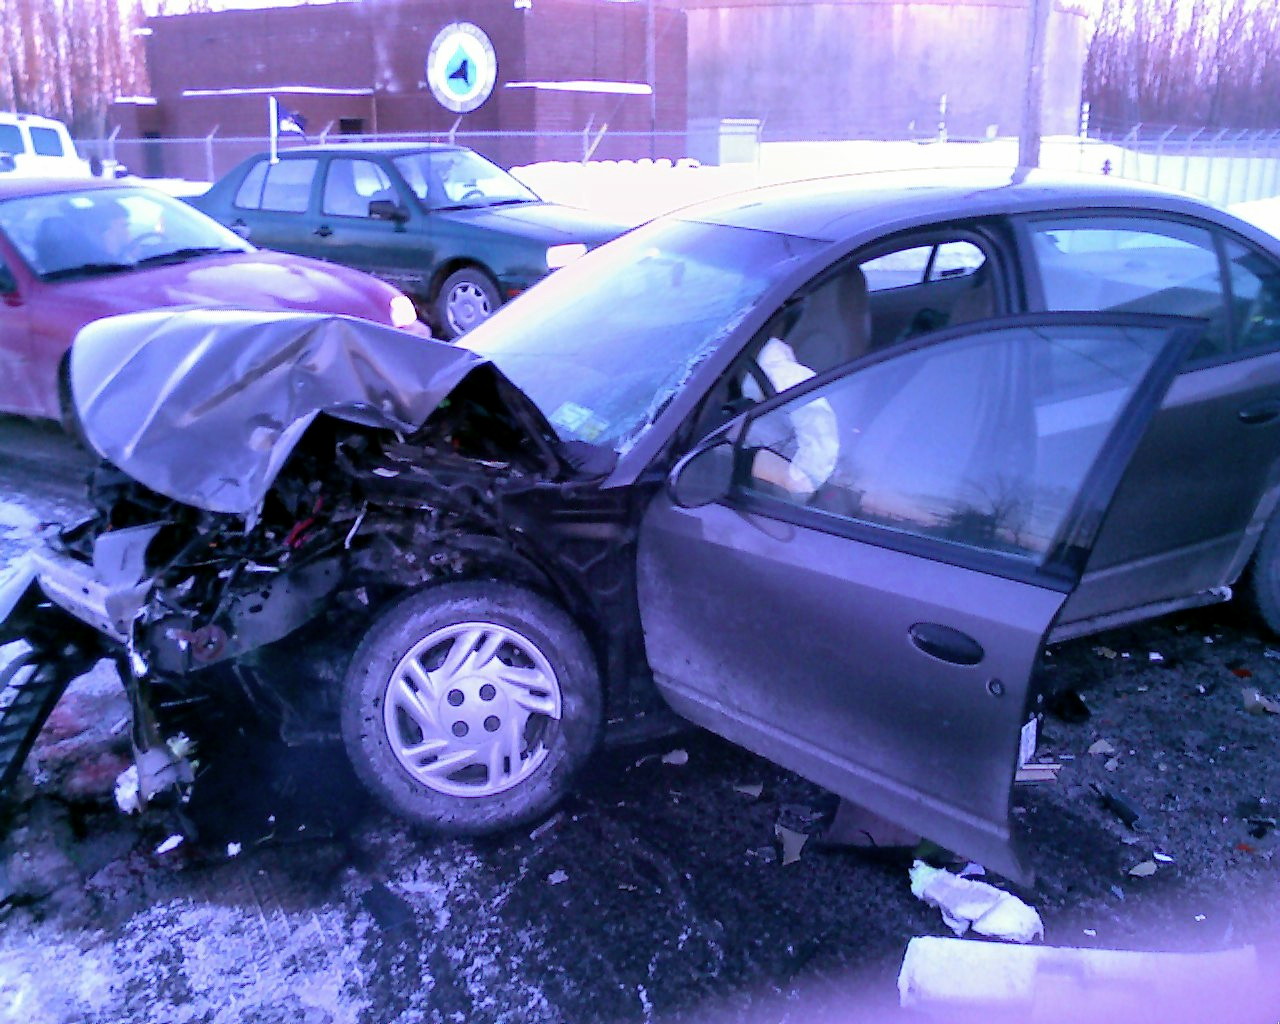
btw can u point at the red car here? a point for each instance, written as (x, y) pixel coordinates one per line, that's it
(75, 251)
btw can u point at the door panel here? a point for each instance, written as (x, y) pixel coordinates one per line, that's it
(871, 617)
(1181, 512)
(795, 644)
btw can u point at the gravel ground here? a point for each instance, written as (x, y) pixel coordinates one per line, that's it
(656, 894)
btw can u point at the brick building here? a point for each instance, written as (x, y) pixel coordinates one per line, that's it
(564, 69)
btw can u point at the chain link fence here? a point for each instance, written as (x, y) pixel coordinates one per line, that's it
(1224, 167)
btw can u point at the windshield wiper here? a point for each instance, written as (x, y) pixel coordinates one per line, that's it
(508, 202)
(85, 270)
(193, 252)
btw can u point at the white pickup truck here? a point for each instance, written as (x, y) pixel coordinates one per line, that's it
(34, 145)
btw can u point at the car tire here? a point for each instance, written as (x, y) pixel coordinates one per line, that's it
(67, 414)
(1262, 584)
(453, 680)
(466, 299)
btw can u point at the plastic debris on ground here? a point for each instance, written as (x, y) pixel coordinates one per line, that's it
(557, 877)
(1118, 806)
(172, 843)
(1064, 985)
(1102, 747)
(1144, 870)
(751, 789)
(233, 849)
(1257, 703)
(792, 843)
(1038, 771)
(968, 904)
(676, 757)
(126, 791)
(549, 825)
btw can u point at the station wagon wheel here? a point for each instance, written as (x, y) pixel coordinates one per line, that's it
(466, 299)
(469, 707)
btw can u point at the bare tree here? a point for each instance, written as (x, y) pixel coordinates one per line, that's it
(1193, 62)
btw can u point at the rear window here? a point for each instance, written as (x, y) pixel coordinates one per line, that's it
(47, 142)
(288, 186)
(11, 139)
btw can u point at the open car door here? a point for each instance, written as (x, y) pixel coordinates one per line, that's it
(870, 617)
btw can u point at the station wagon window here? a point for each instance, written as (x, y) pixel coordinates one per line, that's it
(979, 442)
(1132, 265)
(11, 139)
(249, 194)
(46, 142)
(287, 185)
(350, 185)
(1255, 292)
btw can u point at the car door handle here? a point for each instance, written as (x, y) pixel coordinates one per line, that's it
(946, 644)
(324, 231)
(1260, 412)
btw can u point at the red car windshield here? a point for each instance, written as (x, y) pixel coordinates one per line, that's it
(96, 231)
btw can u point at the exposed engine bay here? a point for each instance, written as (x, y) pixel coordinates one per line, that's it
(356, 509)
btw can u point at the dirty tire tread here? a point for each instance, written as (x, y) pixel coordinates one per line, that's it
(401, 626)
(1262, 584)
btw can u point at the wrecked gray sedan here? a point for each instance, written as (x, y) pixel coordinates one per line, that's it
(822, 468)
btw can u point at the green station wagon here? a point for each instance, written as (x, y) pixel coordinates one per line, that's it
(454, 231)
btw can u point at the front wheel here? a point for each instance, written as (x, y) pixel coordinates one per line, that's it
(466, 299)
(469, 707)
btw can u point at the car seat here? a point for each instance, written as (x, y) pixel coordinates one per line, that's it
(59, 245)
(834, 325)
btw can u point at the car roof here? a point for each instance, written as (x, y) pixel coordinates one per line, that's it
(385, 148)
(17, 186)
(837, 208)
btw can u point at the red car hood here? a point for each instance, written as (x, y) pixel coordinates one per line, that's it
(257, 280)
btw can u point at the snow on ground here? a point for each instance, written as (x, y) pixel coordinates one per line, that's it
(635, 191)
(16, 520)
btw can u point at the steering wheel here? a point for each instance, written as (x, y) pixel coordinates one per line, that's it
(136, 246)
(471, 193)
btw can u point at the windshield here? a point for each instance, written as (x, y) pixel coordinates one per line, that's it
(602, 362)
(98, 231)
(457, 178)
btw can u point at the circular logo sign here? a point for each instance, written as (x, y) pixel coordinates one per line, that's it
(461, 67)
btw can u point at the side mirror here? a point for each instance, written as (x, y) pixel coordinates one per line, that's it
(702, 477)
(387, 209)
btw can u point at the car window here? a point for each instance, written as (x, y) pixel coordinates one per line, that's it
(288, 186)
(1255, 291)
(249, 194)
(983, 442)
(1132, 265)
(109, 230)
(11, 139)
(956, 259)
(897, 269)
(446, 178)
(46, 142)
(350, 185)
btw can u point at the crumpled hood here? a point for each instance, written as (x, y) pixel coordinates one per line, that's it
(204, 406)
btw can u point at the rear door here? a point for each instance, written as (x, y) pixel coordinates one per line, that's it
(877, 633)
(1181, 516)
(273, 206)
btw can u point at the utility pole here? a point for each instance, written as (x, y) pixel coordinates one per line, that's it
(651, 74)
(1033, 95)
